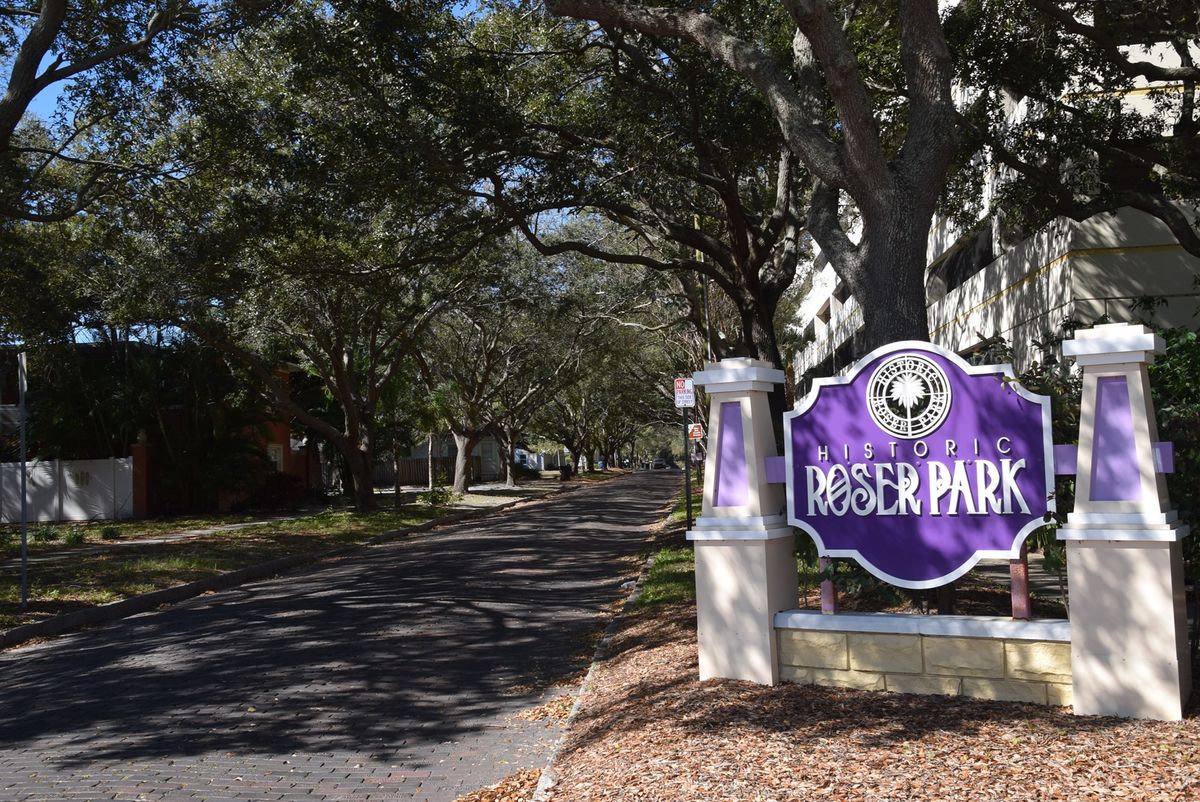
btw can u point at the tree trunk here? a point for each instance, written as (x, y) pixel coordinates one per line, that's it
(396, 472)
(890, 287)
(429, 461)
(355, 472)
(462, 460)
(510, 463)
(359, 463)
(576, 458)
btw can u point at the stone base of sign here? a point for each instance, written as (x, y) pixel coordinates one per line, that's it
(1001, 659)
(740, 584)
(1131, 651)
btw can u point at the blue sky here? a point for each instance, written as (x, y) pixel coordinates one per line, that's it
(43, 104)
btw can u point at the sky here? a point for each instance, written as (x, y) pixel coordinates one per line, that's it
(43, 105)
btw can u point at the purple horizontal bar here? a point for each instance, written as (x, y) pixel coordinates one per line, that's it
(1066, 458)
(776, 470)
(1164, 457)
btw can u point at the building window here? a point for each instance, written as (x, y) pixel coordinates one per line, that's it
(275, 455)
(972, 255)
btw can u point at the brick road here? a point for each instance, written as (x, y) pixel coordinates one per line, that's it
(394, 674)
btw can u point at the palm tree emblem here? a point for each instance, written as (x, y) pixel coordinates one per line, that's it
(908, 395)
(908, 390)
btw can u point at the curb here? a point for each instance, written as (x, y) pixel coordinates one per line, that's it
(547, 781)
(113, 611)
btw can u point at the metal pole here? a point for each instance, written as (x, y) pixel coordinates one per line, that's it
(687, 470)
(24, 493)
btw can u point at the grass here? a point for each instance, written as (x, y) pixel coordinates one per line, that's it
(672, 577)
(58, 535)
(60, 586)
(679, 513)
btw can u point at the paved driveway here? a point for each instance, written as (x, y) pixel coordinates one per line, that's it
(394, 674)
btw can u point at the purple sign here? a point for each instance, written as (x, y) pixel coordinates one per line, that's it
(917, 464)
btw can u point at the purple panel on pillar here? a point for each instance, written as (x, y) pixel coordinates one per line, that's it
(1115, 475)
(1066, 459)
(776, 470)
(731, 483)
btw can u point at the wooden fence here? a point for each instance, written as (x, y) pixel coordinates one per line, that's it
(415, 471)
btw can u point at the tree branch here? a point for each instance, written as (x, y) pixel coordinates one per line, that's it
(865, 160)
(23, 78)
(1109, 48)
(803, 133)
(932, 136)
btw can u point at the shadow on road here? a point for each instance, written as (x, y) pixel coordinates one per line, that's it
(386, 654)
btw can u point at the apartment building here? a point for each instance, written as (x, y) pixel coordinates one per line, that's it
(1123, 266)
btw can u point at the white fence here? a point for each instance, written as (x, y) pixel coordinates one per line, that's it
(68, 490)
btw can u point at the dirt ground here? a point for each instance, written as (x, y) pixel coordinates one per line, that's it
(649, 730)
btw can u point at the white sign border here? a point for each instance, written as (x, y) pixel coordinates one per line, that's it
(1004, 369)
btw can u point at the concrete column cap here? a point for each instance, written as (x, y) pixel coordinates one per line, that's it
(1114, 343)
(738, 371)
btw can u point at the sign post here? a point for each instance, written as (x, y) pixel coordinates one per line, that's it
(685, 399)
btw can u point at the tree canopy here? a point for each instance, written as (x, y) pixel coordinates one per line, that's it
(1086, 107)
(518, 212)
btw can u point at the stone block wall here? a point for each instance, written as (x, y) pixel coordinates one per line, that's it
(1005, 668)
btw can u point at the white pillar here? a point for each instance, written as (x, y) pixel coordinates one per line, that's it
(1129, 646)
(745, 565)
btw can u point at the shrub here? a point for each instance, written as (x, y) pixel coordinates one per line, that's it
(438, 497)
(521, 472)
(110, 533)
(43, 533)
(73, 537)
(279, 491)
(7, 536)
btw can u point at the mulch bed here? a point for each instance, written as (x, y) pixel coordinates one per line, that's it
(649, 730)
(517, 787)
